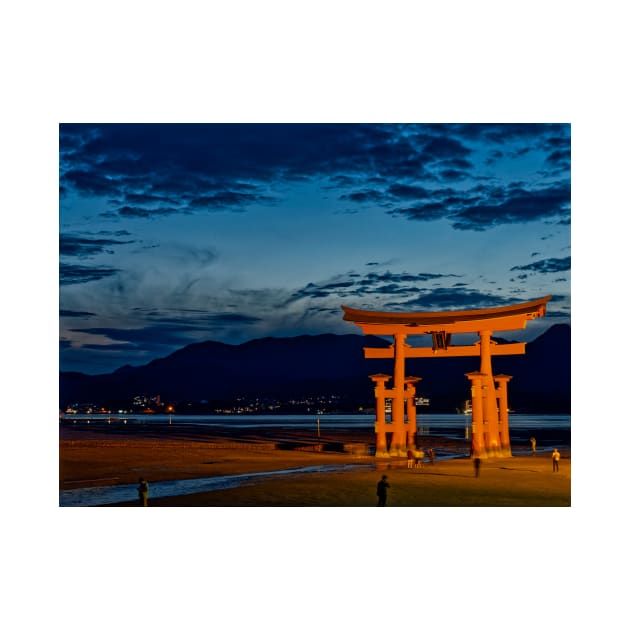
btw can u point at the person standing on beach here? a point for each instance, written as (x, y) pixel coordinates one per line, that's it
(143, 492)
(533, 441)
(410, 459)
(555, 458)
(477, 463)
(381, 491)
(419, 457)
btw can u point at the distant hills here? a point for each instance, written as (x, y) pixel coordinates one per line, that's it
(327, 365)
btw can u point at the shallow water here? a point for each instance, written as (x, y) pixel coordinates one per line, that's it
(551, 431)
(426, 422)
(107, 495)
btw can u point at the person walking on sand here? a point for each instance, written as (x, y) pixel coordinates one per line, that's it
(431, 455)
(555, 458)
(477, 463)
(381, 491)
(143, 492)
(533, 442)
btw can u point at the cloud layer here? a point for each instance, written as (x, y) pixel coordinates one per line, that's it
(151, 171)
(135, 290)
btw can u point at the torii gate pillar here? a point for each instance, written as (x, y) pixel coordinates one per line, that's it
(504, 430)
(489, 396)
(398, 446)
(412, 422)
(478, 441)
(379, 427)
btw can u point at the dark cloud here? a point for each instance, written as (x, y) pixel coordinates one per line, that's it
(452, 174)
(67, 313)
(505, 133)
(450, 299)
(202, 320)
(158, 170)
(406, 191)
(363, 196)
(229, 199)
(190, 319)
(78, 274)
(165, 330)
(342, 181)
(312, 290)
(484, 207)
(144, 198)
(429, 211)
(356, 285)
(210, 154)
(230, 319)
(494, 156)
(518, 206)
(394, 193)
(144, 213)
(457, 163)
(88, 182)
(83, 247)
(549, 265)
(145, 337)
(109, 347)
(560, 157)
(445, 147)
(322, 309)
(387, 276)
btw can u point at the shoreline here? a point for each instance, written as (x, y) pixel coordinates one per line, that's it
(91, 457)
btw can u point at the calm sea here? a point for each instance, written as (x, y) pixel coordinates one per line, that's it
(522, 426)
(550, 431)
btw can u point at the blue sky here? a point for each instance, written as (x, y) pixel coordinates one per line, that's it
(176, 233)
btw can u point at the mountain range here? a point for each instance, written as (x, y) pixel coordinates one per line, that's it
(328, 366)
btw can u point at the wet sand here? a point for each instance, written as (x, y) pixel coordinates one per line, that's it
(114, 454)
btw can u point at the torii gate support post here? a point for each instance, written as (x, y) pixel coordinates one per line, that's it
(504, 429)
(490, 413)
(412, 426)
(399, 437)
(478, 442)
(379, 428)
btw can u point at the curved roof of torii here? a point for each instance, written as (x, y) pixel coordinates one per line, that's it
(530, 310)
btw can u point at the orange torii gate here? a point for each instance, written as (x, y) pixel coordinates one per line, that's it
(490, 430)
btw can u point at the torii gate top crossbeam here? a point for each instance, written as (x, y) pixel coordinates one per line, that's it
(500, 318)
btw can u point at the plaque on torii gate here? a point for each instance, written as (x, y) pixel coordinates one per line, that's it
(490, 428)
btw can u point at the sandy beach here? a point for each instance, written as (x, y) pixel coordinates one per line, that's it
(91, 456)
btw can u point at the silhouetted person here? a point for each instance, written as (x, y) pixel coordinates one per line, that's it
(410, 459)
(431, 455)
(419, 458)
(381, 491)
(533, 442)
(143, 492)
(555, 459)
(477, 463)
